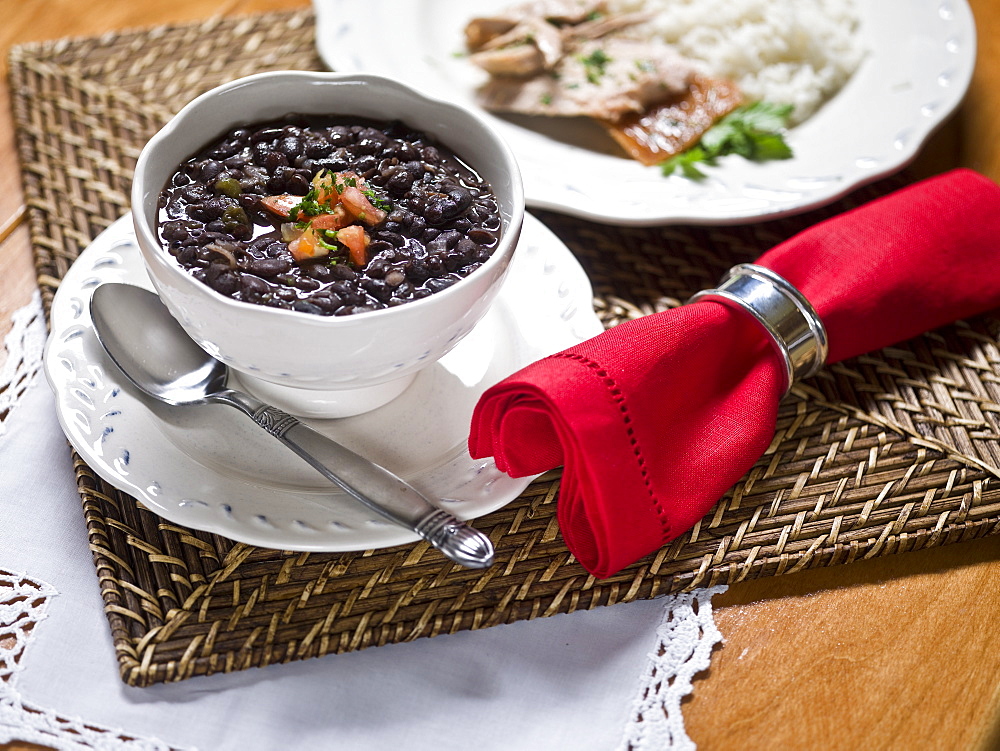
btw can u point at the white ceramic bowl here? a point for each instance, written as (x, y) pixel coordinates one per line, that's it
(311, 365)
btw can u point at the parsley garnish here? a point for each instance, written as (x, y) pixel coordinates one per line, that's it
(595, 64)
(753, 131)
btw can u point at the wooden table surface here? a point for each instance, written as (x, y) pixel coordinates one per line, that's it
(899, 652)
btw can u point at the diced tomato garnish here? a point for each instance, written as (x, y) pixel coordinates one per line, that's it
(356, 240)
(280, 205)
(334, 220)
(349, 179)
(323, 184)
(357, 203)
(342, 199)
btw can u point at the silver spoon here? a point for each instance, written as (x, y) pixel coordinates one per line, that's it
(152, 350)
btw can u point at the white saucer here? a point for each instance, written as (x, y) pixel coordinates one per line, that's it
(211, 468)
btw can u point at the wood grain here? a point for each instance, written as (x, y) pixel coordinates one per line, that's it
(893, 653)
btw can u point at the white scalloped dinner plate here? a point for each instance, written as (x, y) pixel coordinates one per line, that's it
(210, 468)
(919, 61)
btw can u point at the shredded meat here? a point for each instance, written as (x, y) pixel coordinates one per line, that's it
(527, 49)
(604, 79)
(558, 13)
(569, 58)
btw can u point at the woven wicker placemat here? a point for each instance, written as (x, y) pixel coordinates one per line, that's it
(882, 454)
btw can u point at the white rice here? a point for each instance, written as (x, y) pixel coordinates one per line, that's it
(797, 52)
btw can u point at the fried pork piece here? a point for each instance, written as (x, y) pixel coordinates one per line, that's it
(604, 79)
(675, 125)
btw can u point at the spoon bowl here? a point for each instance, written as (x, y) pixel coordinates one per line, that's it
(161, 360)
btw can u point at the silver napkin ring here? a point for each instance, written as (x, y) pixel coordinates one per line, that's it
(792, 323)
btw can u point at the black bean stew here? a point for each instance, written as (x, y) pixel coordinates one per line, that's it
(328, 216)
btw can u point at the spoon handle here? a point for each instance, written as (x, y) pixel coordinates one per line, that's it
(369, 483)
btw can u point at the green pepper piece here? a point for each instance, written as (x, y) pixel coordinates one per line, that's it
(229, 186)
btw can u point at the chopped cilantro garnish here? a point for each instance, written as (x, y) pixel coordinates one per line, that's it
(753, 131)
(349, 182)
(324, 237)
(327, 183)
(377, 201)
(308, 206)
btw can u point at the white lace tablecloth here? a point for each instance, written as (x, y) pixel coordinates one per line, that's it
(607, 678)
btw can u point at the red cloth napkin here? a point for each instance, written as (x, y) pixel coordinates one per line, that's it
(656, 418)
